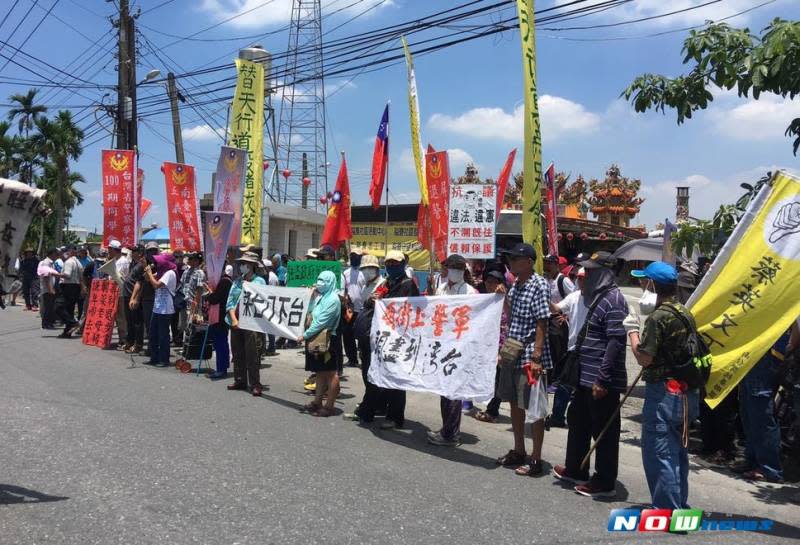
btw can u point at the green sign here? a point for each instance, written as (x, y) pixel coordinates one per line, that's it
(302, 274)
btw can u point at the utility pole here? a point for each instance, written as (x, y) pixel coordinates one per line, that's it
(126, 87)
(176, 119)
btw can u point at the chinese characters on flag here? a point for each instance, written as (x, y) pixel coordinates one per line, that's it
(101, 316)
(228, 185)
(184, 224)
(442, 345)
(471, 228)
(120, 197)
(437, 175)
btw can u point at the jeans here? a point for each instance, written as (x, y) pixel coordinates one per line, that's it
(586, 417)
(560, 401)
(757, 411)
(159, 338)
(665, 460)
(220, 338)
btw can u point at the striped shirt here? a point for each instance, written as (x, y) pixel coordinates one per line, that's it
(605, 323)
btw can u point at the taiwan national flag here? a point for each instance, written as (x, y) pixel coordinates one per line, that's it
(338, 226)
(380, 160)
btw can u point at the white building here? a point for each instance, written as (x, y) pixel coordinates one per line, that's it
(289, 229)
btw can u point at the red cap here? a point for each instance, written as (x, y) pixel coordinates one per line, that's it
(562, 261)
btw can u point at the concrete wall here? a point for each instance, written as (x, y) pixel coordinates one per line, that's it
(277, 222)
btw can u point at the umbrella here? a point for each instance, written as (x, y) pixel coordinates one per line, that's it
(644, 249)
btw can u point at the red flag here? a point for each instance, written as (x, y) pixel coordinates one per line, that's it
(430, 149)
(338, 226)
(380, 160)
(423, 225)
(119, 196)
(551, 210)
(437, 175)
(182, 207)
(502, 181)
(145, 207)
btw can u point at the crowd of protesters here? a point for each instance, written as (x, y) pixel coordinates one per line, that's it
(564, 333)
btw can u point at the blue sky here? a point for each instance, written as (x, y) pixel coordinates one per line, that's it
(470, 95)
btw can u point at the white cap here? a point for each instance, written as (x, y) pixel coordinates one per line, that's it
(229, 270)
(115, 244)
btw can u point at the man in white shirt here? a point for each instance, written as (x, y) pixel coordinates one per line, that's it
(573, 310)
(47, 288)
(353, 282)
(71, 275)
(272, 280)
(122, 266)
(449, 435)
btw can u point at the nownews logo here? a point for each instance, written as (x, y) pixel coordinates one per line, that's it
(678, 520)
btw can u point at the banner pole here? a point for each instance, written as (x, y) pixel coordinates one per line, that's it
(386, 215)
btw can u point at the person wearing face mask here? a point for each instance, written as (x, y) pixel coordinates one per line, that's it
(354, 284)
(325, 311)
(219, 329)
(244, 344)
(449, 434)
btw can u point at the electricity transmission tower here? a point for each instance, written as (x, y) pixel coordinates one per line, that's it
(301, 131)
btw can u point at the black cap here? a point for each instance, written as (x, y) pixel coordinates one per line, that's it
(327, 249)
(455, 261)
(138, 249)
(551, 258)
(496, 275)
(598, 260)
(521, 250)
(196, 255)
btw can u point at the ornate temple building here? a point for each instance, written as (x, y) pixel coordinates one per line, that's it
(614, 200)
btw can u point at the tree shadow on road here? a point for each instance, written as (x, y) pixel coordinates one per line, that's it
(414, 436)
(11, 494)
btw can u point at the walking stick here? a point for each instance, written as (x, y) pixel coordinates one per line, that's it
(585, 461)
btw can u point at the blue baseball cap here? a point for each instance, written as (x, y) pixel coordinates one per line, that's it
(658, 271)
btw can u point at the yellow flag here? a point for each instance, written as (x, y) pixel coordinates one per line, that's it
(532, 166)
(247, 132)
(751, 294)
(413, 110)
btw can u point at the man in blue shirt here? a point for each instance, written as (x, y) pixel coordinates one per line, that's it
(602, 379)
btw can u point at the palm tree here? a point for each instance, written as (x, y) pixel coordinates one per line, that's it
(59, 141)
(26, 114)
(9, 151)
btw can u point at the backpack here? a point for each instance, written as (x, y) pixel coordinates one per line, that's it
(696, 369)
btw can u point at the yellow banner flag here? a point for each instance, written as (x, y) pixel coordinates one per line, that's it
(413, 111)
(247, 132)
(751, 294)
(532, 166)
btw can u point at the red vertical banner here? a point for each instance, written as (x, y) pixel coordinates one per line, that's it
(102, 313)
(182, 207)
(139, 201)
(437, 174)
(120, 209)
(551, 210)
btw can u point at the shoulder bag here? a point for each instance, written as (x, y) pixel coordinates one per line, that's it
(571, 372)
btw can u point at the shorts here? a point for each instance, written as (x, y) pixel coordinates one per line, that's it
(512, 386)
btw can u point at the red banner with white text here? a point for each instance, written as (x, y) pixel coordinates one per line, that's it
(120, 210)
(101, 314)
(182, 207)
(551, 211)
(437, 175)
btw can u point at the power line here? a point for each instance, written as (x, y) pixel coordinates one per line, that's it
(8, 13)
(32, 32)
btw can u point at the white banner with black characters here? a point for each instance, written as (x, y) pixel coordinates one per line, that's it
(272, 309)
(443, 345)
(18, 204)
(472, 219)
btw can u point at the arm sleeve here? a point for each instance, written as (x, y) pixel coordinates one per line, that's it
(321, 318)
(616, 345)
(650, 336)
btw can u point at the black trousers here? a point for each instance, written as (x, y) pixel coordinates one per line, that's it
(586, 417)
(246, 359)
(147, 314)
(349, 340)
(48, 309)
(372, 400)
(27, 292)
(70, 294)
(135, 321)
(718, 425)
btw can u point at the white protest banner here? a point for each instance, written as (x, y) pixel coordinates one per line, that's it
(273, 309)
(471, 226)
(442, 345)
(18, 204)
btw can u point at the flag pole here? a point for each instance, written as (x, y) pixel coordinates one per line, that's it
(386, 215)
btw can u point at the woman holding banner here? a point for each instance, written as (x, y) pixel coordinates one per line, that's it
(321, 344)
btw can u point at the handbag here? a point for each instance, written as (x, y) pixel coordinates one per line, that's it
(571, 372)
(511, 351)
(319, 343)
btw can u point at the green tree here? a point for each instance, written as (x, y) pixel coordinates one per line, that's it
(726, 57)
(59, 141)
(9, 151)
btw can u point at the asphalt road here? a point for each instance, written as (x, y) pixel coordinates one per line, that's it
(98, 449)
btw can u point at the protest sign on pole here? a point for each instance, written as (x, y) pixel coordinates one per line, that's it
(217, 228)
(437, 176)
(551, 211)
(471, 229)
(442, 345)
(182, 207)
(120, 205)
(139, 204)
(18, 204)
(228, 185)
(102, 312)
(247, 132)
(751, 294)
(300, 274)
(273, 309)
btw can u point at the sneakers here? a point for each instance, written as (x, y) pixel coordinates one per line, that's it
(560, 472)
(436, 438)
(592, 490)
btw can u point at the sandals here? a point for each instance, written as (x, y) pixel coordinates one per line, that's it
(531, 469)
(483, 416)
(512, 458)
(323, 412)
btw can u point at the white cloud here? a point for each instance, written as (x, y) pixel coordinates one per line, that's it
(559, 117)
(259, 14)
(459, 159)
(202, 132)
(750, 119)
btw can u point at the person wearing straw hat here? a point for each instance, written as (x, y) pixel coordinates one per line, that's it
(244, 344)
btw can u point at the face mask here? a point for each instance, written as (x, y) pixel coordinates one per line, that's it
(320, 286)
(355, 260)
(244, 269)
(370, 274)
(395, 271)
(455, 276)
(647, 302)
